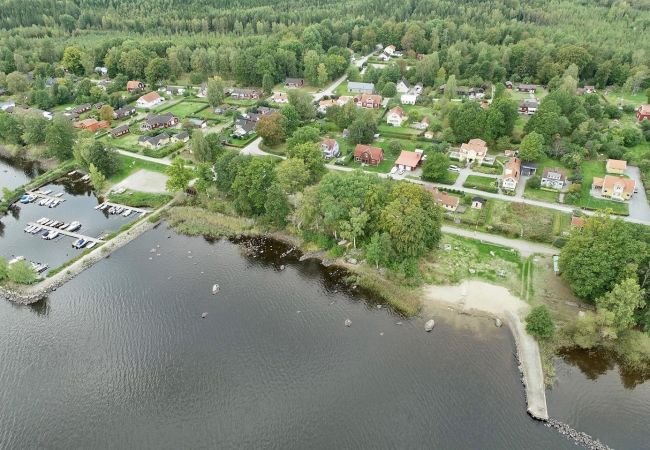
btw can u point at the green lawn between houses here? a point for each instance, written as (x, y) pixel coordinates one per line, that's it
(184, 108)
(486, 184)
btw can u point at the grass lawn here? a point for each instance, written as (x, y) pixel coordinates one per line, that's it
(61, 108)
(127, 142)
(450, 178)
(185, 108)
(488, 261)
(280, 149)
(391, 131)
(591, 169)
(308, 88)
(486, 184)
(636, 153)
(614, 97)
(235, 142)
(541, 195)
(384, 167)
(239, 102)
(526, 221)
(140, 199)
(130, 165)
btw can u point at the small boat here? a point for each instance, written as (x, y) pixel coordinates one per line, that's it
(49, 223)
(74, 226)
(348, 322)
(60, 194)
(215, 289)
(48, 201)
(204, 315)
(40, 268)
(42, 202)
(428, 326)
(104, 206)
(65, 225)
(45, 233)
(46, 192)
(51, 235)
(91, 244)
(79, 243)
(127, 213)
(36, 230)
(119, 210)
(15, 260)
(111, 210)
(53, 204)
(42, 220)
(29, 228)
(101, 205)
(85, 178)
(24, 199)
(72, 173)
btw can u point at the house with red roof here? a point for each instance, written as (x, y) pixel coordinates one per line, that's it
(367, 154)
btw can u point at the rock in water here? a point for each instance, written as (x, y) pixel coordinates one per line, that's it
(498, 322)
(204, 315)
(428, 326)
(348, 322)
(215, 289)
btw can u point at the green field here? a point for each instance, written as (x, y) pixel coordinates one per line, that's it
(391, 131)
(486, 184)
(238, 102)
(185, 108)
(541, 195)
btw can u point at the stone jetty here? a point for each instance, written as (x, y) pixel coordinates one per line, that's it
(580, 438)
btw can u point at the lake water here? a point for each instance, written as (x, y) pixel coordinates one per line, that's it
(14, 172)
(120, 358)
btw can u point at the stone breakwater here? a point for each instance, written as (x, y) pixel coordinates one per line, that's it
(32, 294)
(578, 437)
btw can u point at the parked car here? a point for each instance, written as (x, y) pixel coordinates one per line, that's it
(453, 168)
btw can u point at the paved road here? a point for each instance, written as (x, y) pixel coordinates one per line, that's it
(329, 91)
(525, 248)
(639, 208)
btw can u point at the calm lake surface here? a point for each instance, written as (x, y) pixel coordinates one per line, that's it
(120, 358)
(14, 172)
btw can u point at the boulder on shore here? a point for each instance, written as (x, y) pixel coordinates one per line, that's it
(428, 326)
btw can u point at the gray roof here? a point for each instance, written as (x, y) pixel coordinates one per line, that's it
(362, 86)
(182, 135)
(153, 140)
(119, 129)
(159, 119)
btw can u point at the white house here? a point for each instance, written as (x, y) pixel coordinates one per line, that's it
(396, 116)
(390, 50)
(330, 148)
(280, 98)
(403, 86)
(511, 173)
(408, 99)
(149, 100)
(553, 178)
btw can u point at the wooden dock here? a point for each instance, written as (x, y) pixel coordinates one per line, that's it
(41, 195)
(135, 210)
(69, 233)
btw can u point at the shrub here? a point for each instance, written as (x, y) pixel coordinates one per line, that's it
(539, 323)
(22, 273)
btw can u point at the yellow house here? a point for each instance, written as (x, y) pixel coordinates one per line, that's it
(616, 166)
(616, 188)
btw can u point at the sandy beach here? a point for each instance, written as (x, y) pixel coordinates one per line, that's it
(478, 297)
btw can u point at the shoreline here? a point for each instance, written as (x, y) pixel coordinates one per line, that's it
(473, 296)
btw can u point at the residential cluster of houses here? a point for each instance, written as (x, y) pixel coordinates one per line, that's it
(390, 51)
(473, 93)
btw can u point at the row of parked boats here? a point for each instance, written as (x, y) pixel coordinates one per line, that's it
(51, 202)
(72, 226)
(38, 267)
(117, 210)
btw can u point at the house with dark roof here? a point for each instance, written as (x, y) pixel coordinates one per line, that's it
(120, 131)
(244, 94)
(183, 136)
(361, 88)
(124, 112)
(553, 178)
(82, 109)
(244, 127)
(165, 120)
(154, 142)
(294, 82)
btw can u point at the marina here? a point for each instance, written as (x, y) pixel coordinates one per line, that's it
(66, 232)
(121, 208)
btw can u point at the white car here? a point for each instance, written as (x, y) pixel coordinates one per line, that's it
(393, 170)
(453, 169)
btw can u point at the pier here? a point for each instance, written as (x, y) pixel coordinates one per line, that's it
(132, 208)
(47, 196)
(68, 233)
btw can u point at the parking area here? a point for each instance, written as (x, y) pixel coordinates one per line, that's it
(143, 181)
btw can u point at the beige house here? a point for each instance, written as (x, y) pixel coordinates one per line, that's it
(474, 150)
(616, 166)
(511, 174)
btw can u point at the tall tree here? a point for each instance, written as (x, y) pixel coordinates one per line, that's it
(200, 147)
(215, 92)
(178, 175)
(60, 138)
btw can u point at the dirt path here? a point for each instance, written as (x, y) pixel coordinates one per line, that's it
(477, 296)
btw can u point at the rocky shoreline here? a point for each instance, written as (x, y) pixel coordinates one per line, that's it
(578, 437)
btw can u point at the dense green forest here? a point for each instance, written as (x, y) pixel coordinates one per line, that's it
(474, 40)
